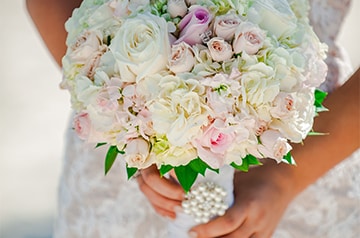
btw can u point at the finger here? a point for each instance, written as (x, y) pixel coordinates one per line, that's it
(165, 187)
(242, 231)
(156, 199)
(164, 213)
(225, 224)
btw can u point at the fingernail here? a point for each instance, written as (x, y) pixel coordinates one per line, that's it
(178, 209)
(193, 234)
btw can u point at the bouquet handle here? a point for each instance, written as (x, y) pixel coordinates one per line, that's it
(179, 227)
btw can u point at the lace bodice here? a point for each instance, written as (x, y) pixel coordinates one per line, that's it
(94, 205)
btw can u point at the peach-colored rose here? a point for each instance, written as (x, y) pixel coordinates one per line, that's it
(219, 49)
(226, 25)
(182, 58)
(249, 38)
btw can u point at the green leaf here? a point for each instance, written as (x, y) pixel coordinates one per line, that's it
(246, 162)
(186, 176)
(289, 159)
(319, 99)
(164, 169)
(130, 171)
(110, 158)
(252, 160)
(100, 144)
(243, 167)
(199, 166)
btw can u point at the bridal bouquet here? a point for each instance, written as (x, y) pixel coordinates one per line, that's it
(193, 85)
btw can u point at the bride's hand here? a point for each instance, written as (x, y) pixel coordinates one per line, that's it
(165, 195)
(261, 197)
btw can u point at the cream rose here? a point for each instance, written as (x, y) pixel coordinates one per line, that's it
(273, 145)
(248, 38)
(85, 46)
(226, 25)
(182, 58)
(137, 153)
(141, 47)
(177, 8)
(219, 49)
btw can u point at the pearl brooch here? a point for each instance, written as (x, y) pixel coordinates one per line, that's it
(205, 201)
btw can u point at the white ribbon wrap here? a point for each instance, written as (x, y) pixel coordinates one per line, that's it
(183, 223)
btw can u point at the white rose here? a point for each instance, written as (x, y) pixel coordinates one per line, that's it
(249, 38)
(137, 154)
(141, 47)
(182, 58)
(177, 8)
(225, 26)
(273, 145)
(219, 49)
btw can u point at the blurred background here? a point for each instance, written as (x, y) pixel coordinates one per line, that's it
(34, 115)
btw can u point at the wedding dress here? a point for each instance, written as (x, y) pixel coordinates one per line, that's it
(93, 205)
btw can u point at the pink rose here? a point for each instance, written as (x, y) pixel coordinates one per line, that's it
(85, 131)
(194, 24)
(82, 125)
(248, 38)
(214, 142)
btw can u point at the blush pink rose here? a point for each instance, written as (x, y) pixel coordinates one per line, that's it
(249, 38)
(194, 24)
(213, 143)
(82, 125)
(84, 129)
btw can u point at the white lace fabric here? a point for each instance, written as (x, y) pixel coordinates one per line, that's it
(96, 206)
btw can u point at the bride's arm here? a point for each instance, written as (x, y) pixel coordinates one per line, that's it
(49, 17)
